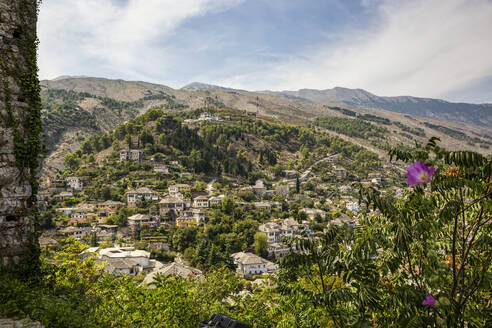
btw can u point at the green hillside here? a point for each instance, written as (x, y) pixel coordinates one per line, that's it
(239, 145)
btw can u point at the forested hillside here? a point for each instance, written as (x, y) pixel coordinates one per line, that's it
(239, 145)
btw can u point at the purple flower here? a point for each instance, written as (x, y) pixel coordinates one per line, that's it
(429, 301)
(419, 173)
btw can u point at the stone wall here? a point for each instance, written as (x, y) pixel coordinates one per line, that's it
(19, 130)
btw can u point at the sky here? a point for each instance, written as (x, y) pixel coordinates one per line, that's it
(439, 48)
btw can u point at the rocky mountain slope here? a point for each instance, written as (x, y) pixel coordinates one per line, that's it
(478, 114)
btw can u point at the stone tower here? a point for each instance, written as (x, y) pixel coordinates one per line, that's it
(20, 126)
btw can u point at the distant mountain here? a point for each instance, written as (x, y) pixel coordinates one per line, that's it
(478, 114)
(198, 86)
(64, 77)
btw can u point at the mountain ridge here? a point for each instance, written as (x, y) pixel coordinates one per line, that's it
(434, 108)
(478, 114)
(437, 109)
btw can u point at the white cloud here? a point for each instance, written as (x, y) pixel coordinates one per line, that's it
(121, 39)
(424, 48)
(419, 47)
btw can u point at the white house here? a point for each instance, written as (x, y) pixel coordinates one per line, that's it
(208, 117)
(75, 183)
(140, 194)
(354, 207)
(200, 202)
(197, 213)
(160, 168)
(259, 188)
(124, 260)
(249, 264)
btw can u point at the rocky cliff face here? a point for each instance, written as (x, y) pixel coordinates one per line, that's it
(20, 125)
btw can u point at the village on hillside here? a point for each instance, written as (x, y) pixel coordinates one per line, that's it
(168, 220)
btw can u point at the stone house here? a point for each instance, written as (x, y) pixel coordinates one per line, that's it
(46, 243)
(82, 214)
(276, 230)
(172, 206)
(376, 181)
(278, 250)
(131, 155)
(108, 227)
(344, 219)
(263, 206)
(340, 172)
(282, 190)
(175, 269)
(64, 195)
(75, 232)
(313, 212)
(373, 175)
(107, 208)
(139, 222)
(216, 200)
(344, 189)
(55, 183)
(198, 213)
(291, 184)
(191, 217)
(141, 194)
(179, 188)
(109, 205)
(291, 174)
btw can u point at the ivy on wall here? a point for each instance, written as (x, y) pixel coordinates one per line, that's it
(18, 62)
